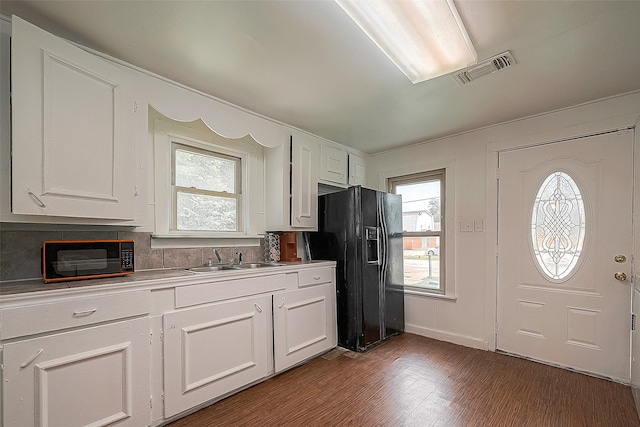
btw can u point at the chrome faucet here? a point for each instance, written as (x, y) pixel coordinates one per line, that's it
(239, 257)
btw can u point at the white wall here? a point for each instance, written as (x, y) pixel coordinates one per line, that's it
(469, 319)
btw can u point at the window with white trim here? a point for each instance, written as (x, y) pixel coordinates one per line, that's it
(206, 190)
(423, 229)
(205, 186)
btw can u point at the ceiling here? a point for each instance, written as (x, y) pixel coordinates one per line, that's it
(305, 63)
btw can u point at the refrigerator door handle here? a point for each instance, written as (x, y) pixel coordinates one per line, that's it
(382, 271)
(383, 239)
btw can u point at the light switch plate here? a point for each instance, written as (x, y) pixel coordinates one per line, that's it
(466, 226)
(478, 226)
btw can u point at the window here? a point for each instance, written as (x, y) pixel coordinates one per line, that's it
(205, 187)
(424, 240)
(558, 226)
(207, 190)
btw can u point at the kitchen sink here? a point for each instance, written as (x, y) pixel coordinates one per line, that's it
(212, 268)
(255, 265)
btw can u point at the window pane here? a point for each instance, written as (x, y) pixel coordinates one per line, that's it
(420, 205)
(197, 212)
(422, 262)
(205, 172)
(558, 225)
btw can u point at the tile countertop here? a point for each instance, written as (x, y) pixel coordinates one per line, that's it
(21, 287)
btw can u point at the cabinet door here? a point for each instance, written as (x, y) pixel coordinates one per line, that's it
(333, 164)
(95, 376)
(304, 324)
(356, 170)
(73, 130)
(214, 349)
(304, 183)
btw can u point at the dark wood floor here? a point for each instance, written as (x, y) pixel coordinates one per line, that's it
(416, 381)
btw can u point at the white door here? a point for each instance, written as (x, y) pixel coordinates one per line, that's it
(564, 234)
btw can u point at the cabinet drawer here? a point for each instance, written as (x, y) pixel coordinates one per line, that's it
(219, 291)
(40, 318)
(315, 276)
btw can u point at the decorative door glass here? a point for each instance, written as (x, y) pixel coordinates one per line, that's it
(558, 226)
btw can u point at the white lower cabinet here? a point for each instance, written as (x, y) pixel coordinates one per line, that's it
(142, 357)
(214, 349)
(304, 324)
(95, 376)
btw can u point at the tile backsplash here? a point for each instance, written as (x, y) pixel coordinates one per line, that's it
(20, 251)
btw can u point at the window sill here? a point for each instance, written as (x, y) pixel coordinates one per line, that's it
(430, 295)
(164, 241)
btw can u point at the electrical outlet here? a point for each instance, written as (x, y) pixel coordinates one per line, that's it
(466, 226)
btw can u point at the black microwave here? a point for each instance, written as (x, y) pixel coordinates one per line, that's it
(64, 260)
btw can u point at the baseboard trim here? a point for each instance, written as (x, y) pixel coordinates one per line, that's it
(448, 337)
(635, 390)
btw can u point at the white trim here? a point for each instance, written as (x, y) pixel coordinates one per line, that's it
(163, 133)
(449, 209)
(447, 336)
(491, 251)
(636, 397)
(177, 242)
(491, 226)
(414, 291)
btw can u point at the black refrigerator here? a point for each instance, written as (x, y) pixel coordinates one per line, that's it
(361, 229)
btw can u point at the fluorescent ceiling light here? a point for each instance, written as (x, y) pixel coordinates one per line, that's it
(424, 38)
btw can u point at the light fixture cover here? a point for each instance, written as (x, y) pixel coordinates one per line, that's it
(424, 38)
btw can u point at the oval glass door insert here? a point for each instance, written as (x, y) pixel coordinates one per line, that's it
(558, 226)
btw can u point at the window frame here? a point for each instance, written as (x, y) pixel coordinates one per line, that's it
(423, 177)
(215, 152)
(162, 132)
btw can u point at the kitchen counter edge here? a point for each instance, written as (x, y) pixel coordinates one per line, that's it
(29, 290)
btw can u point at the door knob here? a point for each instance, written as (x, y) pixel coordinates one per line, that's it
(620, 276)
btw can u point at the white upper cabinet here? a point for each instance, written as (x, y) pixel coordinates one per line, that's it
(291, 184)
(339, 167)
(72, 130)
(304, 182)
(356, 170)
(333, 164)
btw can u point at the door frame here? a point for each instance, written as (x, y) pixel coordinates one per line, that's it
(494, 148)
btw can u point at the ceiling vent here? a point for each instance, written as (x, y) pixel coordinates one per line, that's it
(484, 68)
